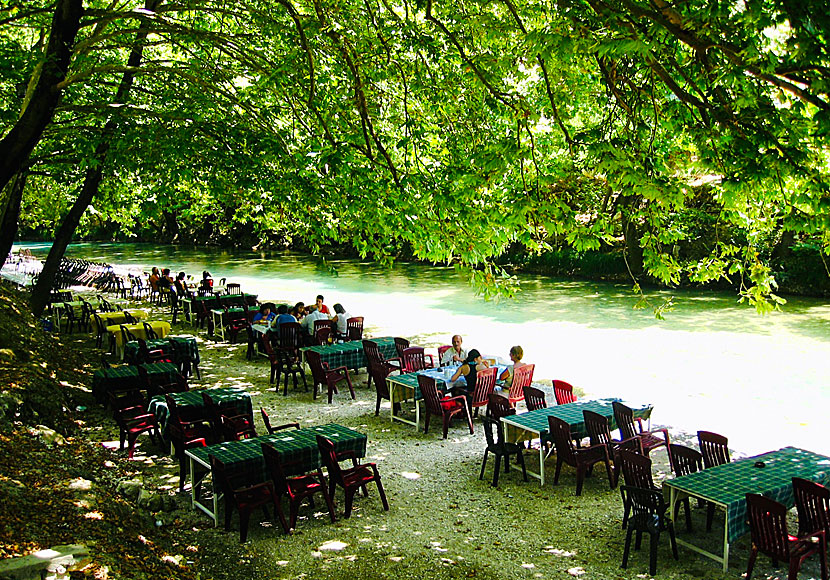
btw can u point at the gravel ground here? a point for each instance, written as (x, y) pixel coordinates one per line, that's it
(443, 521)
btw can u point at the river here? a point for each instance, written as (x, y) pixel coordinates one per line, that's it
(711, 364)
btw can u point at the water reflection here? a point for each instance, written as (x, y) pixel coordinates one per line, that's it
(712, 364)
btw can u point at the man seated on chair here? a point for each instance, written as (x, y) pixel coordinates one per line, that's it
(264, 316)
(454, 355)
(308, 323)
(282, 316)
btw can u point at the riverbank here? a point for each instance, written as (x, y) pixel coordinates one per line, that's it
(443, 521)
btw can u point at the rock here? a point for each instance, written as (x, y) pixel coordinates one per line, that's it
(169, 503)
(129, 488)
(143, 500)
(45, 562)
(155, 503)
(48, 436)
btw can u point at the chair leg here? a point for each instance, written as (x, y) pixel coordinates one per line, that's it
(382, 495)
(426, 422)
(281, 516)
(673, 540)
(558, 470)
(447, 419)
(469, 420)
(580, 479)
(349, 500)
(244, 517)
(483, 464)
(522, 463)
(349, 382)
(627, 549)
(295, 510)
(377, 405)
(496, 471)
(329, 503)
(652, 553)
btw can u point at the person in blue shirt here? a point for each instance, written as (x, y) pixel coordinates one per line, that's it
(264, 316)
(283, 316)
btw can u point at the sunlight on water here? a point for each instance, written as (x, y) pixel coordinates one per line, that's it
(713, 364)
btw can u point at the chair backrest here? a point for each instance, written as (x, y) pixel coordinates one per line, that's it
(129, 318)
(624, 417)
(237, 429)
(315, 362)
(106, 306)
(429, 391)
(597, 427)
(647, 507)
(323, 333)
(485, 384)
(534, 398)
(126, 335)
(768, 526)
(413, 359)
(354, 328)
(401, 344)
(322, 323)
(328, 457)
(379, 373)
(564, 392)
(266, 420)
(149, 332)
(560, 432)
(498, 406)
(714, 448)
(220, 475)
(212, 412)
(636, 469)
(291, 335)
(233, 288)
(522, 377)
(442, 349)
(493, 430)
(812, 500)
(273, 466)
(204, 291)
(372, 352)
(99, 324)
(685, 460)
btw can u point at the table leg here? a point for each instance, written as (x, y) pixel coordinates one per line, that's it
(726, 541)
(541, 463)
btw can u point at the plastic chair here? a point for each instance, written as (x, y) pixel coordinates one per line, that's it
(499, 406)
(498, 446)
(132, 417)
(812, 500)
(233, 288)
(373, 358)
(715, 451)
(564, 392)
(534, 398)
(322, 375)
(485, 385)
(354, 328)
(413, 360)
(271, 430)
(685, 460)
(583, 460)
(296, 489)
(186, 430)
(631, 427)
(350, 479)
(226, 427)
(636, 472)
(441, 350)
(288, 356)
(244, 498)
(522, 377)
(647, 509)
(599, 433)
(401, 344)
(149, 333)
(768, 527)
(445, 407)
(379, 373)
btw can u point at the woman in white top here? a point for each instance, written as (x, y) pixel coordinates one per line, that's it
(340, 318)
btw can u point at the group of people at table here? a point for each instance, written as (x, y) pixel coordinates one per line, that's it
(272, 317)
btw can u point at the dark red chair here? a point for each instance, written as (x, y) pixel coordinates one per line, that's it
(401, 344)
(132, 417)
(379, 372)
(354, 328)
(485, 385)
(237, 322)
(436, 403)
(631, 427)
(522, 377)
(296, 489)
(583, 459)
(288, 355)
(271, 430)
(441, 350)
(535, 398)
(812, 500)
(413, 360)
(715, 451)
(564, 392)
(323, 376)
(599, 433)
(350, 479)
(323, 330)
(685, 460)
(245, 498)
(145, 355)
(374, 358)
(499, 406)
(187, 429)
(768, 527)
(227, 427)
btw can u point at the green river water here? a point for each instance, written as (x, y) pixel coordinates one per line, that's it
(712, 364)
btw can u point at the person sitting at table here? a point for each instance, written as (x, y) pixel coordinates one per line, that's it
(181, 285)
(207, 281)
(308, 323)
(322, 307)
(264, 316)
(154, 279)
(468, 370)
(299, 311)
(454, 355)
(283, 316)
(340, 318)
(516, 354)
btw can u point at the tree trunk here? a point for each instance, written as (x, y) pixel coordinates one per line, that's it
(18, 143)
(631, 235)
(92, 179)
(8, 228)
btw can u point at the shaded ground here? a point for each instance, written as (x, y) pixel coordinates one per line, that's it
(443, 522)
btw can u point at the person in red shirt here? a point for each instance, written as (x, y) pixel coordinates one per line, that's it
(322, 307)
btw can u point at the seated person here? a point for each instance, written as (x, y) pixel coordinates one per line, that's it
(454, 355)
(322, 307)
(340, 318)
(308, 323)
(468, 370)
(283, 316)
(516, 354)
(207, 281)
(298, 311)
(264, 316)
(181, 285)
(154, 279)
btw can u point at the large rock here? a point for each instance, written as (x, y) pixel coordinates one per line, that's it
(55, 560)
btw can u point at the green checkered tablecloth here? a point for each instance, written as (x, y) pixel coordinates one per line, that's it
(350, 354)
(295, 446)
(235, 399)
(537, 421)
(124, 378)
(183, 348)
(729, 483)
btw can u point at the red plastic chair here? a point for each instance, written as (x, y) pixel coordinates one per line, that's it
(685, 460)
(296, 489)
(374, 358)
(413, 360)
(132, 417)
(715, 451)
(227, 427)
(768, 526)
(323, 330)
(378, 373)
(636, 472)
(812, 500)
(599, 433)
(354, 328)
(564, 392)
(631, 427)
(350, 479)
(186, 430)
(583, 460)
(271, 430)
(485, 385)
(245, 498)
(401, 344)
(323, 376)
(441, 350)
(438, 404)
(522, 377)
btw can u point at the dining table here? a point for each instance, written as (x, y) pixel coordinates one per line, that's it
(534, 424)
(769, 474)
(192, 305)
(297, 448)
(160, 327)
(181, 348)
(118, 317)
(126, 378)
(350, 354)
(235, 399)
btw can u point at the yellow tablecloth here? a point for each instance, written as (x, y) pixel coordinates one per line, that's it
(162, 329)
(112, 318)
